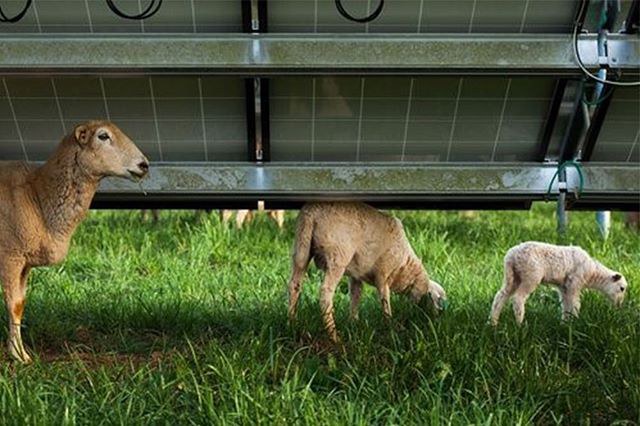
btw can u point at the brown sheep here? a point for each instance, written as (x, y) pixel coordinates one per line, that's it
(367, 245)
(570, 269)
(41, 207)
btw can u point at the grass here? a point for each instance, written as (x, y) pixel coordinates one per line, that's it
(185, 322)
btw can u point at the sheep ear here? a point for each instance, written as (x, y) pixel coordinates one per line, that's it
(81, 134)
(616, 277)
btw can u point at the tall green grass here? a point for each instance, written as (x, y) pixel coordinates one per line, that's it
(185, 322)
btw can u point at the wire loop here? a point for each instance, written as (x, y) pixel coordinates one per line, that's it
(562, 166)
(151, 10)
(364, 20)
(16, 18)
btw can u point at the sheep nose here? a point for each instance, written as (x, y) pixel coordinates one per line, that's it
(144, 167)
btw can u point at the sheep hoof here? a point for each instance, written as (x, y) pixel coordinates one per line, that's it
(20, 355)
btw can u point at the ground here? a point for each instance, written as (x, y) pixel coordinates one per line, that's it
(186, 322)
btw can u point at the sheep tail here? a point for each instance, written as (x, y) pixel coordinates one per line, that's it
(304, 235)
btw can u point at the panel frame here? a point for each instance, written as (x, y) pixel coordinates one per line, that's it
(265, 54)
(433, 185)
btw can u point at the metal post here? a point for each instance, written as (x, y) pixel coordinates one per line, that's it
(561, 207)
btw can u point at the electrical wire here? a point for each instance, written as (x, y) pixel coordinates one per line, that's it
(563, 166)
(151, 10)
(584, 69)
(364, 20)
(597, 98)
(16, 18)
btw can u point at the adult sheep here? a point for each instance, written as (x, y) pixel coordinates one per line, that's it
(40, 207)
(363, 243)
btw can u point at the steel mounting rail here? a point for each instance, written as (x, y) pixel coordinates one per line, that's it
(267, 54)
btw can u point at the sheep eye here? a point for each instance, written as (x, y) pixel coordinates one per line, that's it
(103, 136)
(621, 288)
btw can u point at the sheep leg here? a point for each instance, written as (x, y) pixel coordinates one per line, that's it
(225, 216)
(295, 287)
(519, 299)
(509, 285)
(278, 217)
(241, 217)
(570, 301)
(355, 291)
(14, 279)
(385, 300)
(500, 299)
(327, 291)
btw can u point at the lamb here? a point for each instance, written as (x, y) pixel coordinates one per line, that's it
(41, 207)
(368, 246)
(569, 268)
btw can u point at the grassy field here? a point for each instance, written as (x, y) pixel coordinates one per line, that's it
(185, 322)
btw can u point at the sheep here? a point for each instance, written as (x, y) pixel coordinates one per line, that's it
(368, 246)
(40, 207)
(569, 268)
(244, 215)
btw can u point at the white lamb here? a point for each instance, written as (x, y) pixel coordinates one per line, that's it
(568, 268)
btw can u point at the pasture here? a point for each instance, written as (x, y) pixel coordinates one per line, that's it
(185, 321)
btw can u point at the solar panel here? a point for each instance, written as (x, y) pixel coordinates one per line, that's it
(170, 118)
(619, 138)
(91, 16)
(408, 119)
(425, 16)
(398, 16)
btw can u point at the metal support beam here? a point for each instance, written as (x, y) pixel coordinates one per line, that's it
(427, 185)
(255, 21)
(552, 118)
(575, 128)
(265, 54)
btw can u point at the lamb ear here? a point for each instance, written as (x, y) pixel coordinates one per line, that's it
(616, 277)
(81, 133)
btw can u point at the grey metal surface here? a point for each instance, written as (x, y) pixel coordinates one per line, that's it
(313, 54)
(339, 180)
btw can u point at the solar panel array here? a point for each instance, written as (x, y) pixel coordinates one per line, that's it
(93, 16)
(330, 118)
(223, 16)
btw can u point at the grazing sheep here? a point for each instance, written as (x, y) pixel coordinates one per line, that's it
(41, 207)
(568, 268)
(243, 216)
(367, 245)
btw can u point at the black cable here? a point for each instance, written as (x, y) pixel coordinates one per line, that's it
(16, 18)
(576, 53)
(151, 10)
(364, 20)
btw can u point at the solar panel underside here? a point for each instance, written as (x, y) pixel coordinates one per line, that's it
(619, 139)
(93, 16)
(312, 119)
(408, 119)
(222, 16)
(170, 118)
